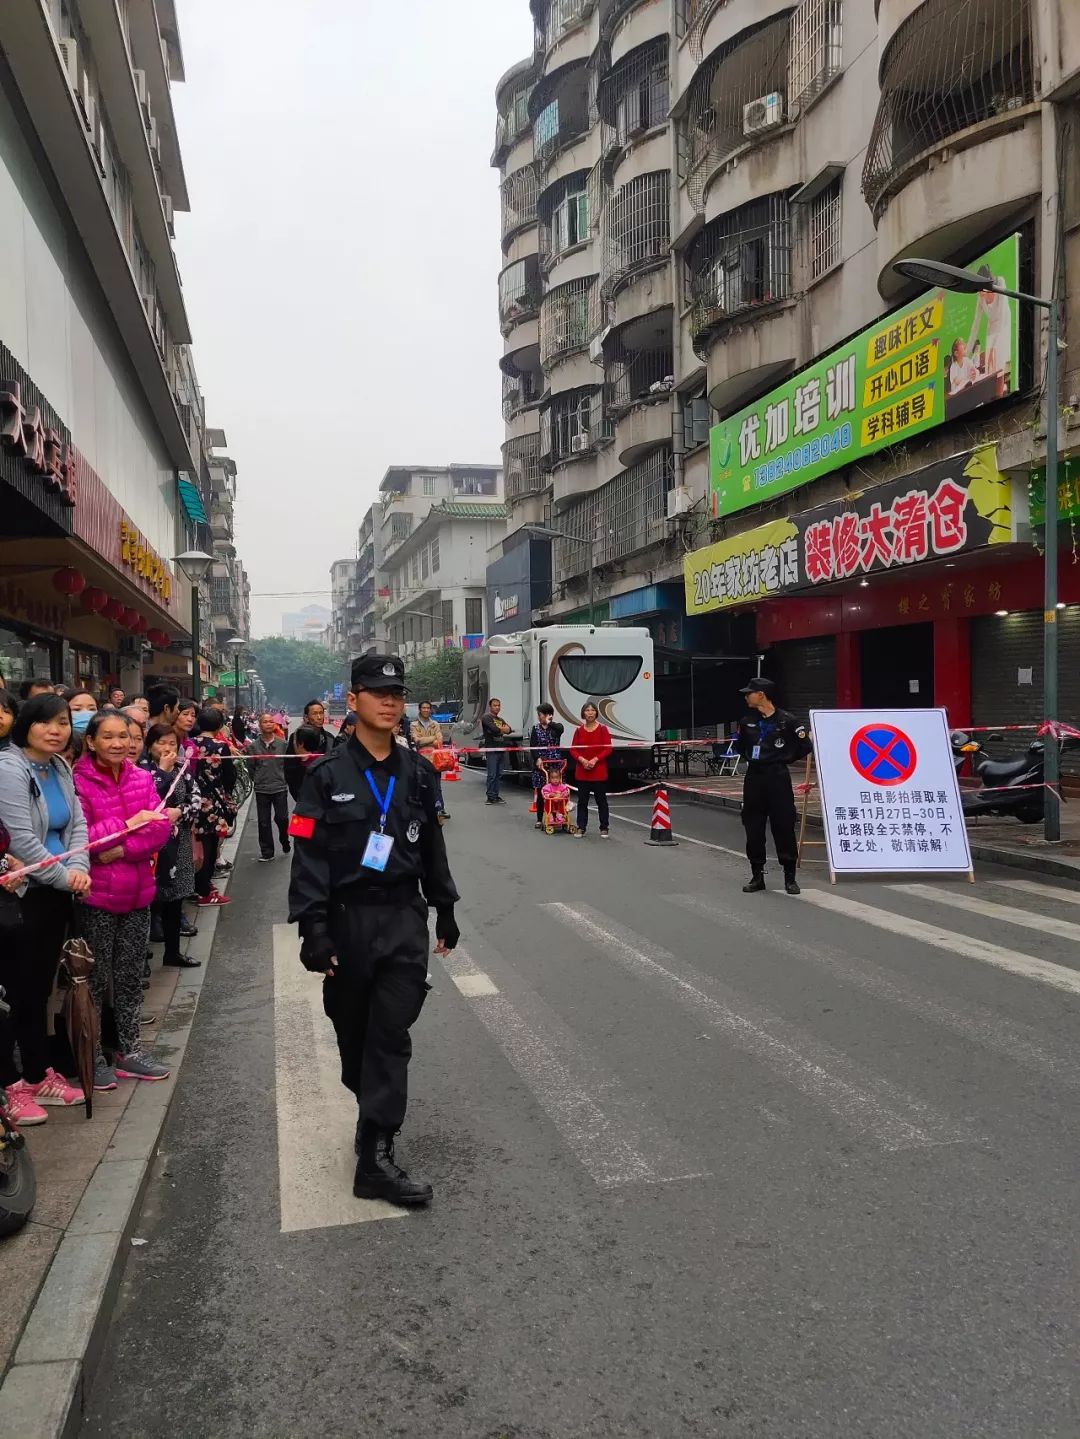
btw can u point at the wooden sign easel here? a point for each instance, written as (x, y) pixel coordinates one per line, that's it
(809, 784)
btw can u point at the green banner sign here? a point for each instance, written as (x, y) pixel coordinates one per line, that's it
(940, 357)
(1068, 492)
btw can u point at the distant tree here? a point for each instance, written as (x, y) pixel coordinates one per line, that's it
(435, 679)
(294, 671)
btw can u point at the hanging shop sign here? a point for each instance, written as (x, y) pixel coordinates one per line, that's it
(960, 504)
(39, 448)
(890, 799)
(938, 358)
(103, 524)
(1068, 492)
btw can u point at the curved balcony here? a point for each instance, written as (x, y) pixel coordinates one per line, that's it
(521, 395)
(627, 514)
(520, 292)
(634, 96)
(561, 25)
(572, 426)
(560, 112)
(950, 74)
(564, 218)
(522, 474)
(512, 103)
(737, 98)
(626, 24)
(518, 194)
(635, 230)
(570, 316)
(639, 376)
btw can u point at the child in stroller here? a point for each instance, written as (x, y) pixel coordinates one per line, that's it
(556, 797)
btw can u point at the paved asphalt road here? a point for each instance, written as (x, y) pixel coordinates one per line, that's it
(705, 1164)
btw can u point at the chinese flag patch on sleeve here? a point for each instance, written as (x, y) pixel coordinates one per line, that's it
(302, 826)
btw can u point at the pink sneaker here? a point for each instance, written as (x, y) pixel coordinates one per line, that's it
(55, 1090)
(22, 1107)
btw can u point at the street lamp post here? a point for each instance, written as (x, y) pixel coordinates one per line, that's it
(194, 565)
(969, 282)
(548, 532)
(236, 644)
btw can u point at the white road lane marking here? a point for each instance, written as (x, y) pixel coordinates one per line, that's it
(869, 1104)
(1025, 965)
(1042, 891)
(560, 1084)
(999, 913)
(682, 838)
(475, 986)
(316, 1114)
(971, 1021)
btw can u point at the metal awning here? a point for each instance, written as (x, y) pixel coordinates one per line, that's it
(192, 501)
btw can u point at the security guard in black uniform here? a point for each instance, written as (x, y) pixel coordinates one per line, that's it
(369, 859)
(769, 740)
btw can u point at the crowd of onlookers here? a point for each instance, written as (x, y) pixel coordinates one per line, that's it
(112, 812)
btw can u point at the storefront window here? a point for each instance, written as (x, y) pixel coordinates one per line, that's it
(22, 657)
(85, 669)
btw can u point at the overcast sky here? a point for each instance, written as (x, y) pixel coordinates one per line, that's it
(340, 259)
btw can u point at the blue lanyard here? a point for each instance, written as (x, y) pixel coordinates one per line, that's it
(382, 800)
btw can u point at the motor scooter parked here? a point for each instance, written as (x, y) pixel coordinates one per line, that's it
(1012, 788)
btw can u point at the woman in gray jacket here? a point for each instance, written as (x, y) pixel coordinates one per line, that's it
(42, 813)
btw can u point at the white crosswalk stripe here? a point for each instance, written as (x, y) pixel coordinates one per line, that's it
(316, 1115)
(966, 946)
(1044, 892)
(986, 909)
(869, 1104)
(973, 1022)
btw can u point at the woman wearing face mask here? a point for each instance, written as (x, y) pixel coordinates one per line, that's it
(41, 811)
(119, 799)
(8, 710)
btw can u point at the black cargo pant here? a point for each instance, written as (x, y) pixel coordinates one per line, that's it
(373, 998)
(767, 795)
(272, 807)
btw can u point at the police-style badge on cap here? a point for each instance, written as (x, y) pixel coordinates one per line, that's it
(378, 672)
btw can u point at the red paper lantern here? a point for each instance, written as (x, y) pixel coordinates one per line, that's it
(116, 612)
(69, 581)
(93, 600)
(158, 638)
(136, 622)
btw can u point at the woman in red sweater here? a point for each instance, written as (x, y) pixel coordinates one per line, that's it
(591, 747)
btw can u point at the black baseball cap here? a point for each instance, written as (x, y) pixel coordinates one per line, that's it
(759, 686)
(378, 672)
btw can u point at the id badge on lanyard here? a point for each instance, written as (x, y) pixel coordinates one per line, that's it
(379, 844)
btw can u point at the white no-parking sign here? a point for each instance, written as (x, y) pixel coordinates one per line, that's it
(890, 797)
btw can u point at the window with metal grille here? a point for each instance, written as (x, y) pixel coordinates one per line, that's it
(563, 213)
(823, 229)
(566, 319)
(400, 526)
(447, 608)
(430, 484)
(567, 425)
(623, 516)
(474, 615)
(519, 291)
(561, 108)
(414, 570)
(519, 192)
(521, 466)
(435, 556)
(948, 67)
(635, 374)
(562, 15)
(634, 96)
(635, 230)
(424, 559)
(739, 260)
(722, 112)
(816, 51)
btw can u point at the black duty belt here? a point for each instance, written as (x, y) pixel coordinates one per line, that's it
(403, 893)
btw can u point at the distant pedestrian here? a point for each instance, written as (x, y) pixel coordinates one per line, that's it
(305, 743)
(427, 736)
(769, 740)
(175, 873)
(496, 733)
(315, 716)
(545, 737)
(217, 809)
(271, 788)
(591, 749)
(118, 798)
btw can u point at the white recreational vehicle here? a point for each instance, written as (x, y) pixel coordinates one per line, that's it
(566, 665)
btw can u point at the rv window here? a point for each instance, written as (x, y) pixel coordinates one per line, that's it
(600, 674)
(472, 689)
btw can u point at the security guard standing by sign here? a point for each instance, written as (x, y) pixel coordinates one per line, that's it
(369, 859)
(769, 740)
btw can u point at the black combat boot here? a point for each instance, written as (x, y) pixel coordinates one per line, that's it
(378, 1177)
(791, 884)
(757, 882)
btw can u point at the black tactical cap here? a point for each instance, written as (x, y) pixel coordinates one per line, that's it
(759, 686)
(378, 672)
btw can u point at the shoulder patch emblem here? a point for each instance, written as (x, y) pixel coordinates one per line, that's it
(342, 798)
(413, 832)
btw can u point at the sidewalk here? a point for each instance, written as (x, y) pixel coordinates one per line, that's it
(61, 1272)
(995, 841)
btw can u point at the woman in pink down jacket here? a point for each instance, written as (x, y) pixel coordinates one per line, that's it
(119, 799)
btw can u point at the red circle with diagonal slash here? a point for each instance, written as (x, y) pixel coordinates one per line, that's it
(883, 754)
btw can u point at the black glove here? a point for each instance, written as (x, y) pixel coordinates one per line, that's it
(317, 951)
(446, 928)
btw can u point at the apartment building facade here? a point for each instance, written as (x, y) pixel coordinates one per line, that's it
(104, 473)
(711, 364)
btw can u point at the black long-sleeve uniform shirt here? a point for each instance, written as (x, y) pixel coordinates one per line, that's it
(337, 811)
(780, 739)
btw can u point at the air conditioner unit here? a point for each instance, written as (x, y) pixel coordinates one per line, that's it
(139, 76)
(580, 443)
(596, 350)
(69, 53)
(764, 113)
(678, 502)
(152, 134)
(167, 210)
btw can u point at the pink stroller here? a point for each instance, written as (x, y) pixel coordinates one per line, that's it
(556, 796)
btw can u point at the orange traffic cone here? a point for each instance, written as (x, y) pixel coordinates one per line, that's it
(660, 833)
